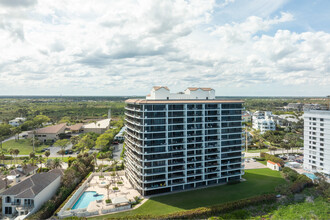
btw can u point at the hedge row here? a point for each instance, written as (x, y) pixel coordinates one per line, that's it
(299, 181)
(205, 212)
(272, 158)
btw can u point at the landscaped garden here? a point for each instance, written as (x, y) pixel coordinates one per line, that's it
(259, 181)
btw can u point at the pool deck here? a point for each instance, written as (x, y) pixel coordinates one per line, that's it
(97, 184)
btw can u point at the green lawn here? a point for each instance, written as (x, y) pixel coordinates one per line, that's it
(264, 162)
(259, 181)
(23, 145)
(258, 150)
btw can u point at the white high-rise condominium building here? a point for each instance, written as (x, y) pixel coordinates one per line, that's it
(317, 141)
(182, 141)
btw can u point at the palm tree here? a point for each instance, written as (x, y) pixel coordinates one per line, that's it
(40, 161)
(11, 152)
(47, 153)
(57, 163)
(108, 189)
(16, 152)
(2, 157)
(32, 161)
(24, 163)
(32, 155)
(5, 173)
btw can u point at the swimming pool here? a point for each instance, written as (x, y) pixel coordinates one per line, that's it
(86, 198)
(310, 176)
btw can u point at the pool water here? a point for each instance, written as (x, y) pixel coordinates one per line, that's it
(310, 176)
(85, 199)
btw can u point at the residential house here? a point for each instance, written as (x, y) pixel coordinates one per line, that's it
(17, 122)
(28, 196)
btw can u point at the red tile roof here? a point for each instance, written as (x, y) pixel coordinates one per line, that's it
(51, 129)
(273, 163)
(159, 87)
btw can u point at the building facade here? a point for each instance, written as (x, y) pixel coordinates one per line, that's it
(17, 122)
(180, 142)
(263, 121)
(27, 197)
(317, 141)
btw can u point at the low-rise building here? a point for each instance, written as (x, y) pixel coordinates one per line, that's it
(263, 121)
(76, 128)
(17, 122)
(273, 166)
(98, 127)
(48, 133)
(120, 135)
(28, 196)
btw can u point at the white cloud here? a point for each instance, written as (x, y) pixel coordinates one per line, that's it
(125, 47)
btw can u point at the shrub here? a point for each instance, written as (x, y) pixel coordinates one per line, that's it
(272, 158)
(108, 201)
(119, 182)
(115, 188)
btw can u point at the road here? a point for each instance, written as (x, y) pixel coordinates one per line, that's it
(117, 151)
(276, 152)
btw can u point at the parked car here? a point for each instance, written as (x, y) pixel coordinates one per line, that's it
(68, 151)
(115, 142)
(45, 149)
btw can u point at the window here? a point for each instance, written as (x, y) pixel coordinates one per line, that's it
(321, 159)
(321, 129)
(321, 119)
(321, 164)
(321, 139)
(321, 154)
(8, 199)
(321, 124)
(8, 210)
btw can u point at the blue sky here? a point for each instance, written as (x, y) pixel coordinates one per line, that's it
(237, 47)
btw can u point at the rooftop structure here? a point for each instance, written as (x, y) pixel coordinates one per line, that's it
(97, 127)
(163, 92)
(182, 141)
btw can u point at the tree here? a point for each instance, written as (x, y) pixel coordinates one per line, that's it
(24, 163)
(259, 138)
(62, 143)
(16, 131)
(74, 140)
(40, 161)
(108, 190)
(2, 157)
(57, 163)
(282, 146)
(11, 152)
(95, 158)
(85, 142)
(16, 152)
(32, 155)
(40, 119)
(47, 153)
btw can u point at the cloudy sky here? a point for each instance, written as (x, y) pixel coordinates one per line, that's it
(238, 47)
